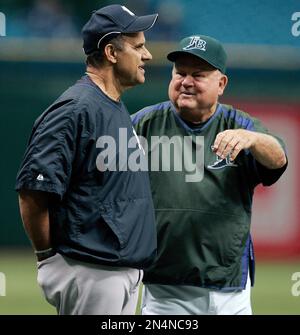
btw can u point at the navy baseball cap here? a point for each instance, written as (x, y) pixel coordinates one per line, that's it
(109, 21)
(204, 47)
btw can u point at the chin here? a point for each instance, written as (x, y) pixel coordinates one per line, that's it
(141, 80)
(186, 106)
(137, 81)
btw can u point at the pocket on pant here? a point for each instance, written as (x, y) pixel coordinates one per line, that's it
(136, 277)
(49, 275)
(140, 279)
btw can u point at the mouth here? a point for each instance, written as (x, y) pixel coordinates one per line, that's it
(141, 68)
(185, 93)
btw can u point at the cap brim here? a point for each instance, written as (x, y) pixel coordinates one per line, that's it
(172, 56)
(142, 23)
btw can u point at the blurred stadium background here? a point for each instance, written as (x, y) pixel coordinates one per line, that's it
(41, 56)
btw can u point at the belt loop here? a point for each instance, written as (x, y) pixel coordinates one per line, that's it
(139, 277)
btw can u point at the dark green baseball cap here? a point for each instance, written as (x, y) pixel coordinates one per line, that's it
(204, 47)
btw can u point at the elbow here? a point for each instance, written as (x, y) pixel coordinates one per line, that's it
(281, 161)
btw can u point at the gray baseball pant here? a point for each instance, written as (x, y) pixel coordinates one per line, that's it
(192, 300)
(80, 288)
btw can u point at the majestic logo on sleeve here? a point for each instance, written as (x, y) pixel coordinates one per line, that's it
(221, 163)
(196, 43)
(40, 177)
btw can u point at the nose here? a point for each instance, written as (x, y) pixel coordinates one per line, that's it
(146, 54)
(187, 81)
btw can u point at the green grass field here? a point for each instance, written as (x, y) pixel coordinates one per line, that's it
(271, 294)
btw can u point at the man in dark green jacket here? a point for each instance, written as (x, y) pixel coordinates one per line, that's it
(205, 159)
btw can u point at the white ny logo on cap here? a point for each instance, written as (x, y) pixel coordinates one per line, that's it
(128, 11)
(196, 43)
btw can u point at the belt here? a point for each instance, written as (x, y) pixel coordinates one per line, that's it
(44, 254)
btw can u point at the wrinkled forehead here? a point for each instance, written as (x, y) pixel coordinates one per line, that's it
(193, 63)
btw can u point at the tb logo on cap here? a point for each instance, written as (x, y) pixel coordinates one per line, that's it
(128, 11)
(196, 43)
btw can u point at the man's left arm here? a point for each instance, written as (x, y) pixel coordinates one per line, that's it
(264, 147)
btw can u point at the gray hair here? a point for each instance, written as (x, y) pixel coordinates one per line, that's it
(96, 58)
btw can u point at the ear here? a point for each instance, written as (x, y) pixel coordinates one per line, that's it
(110, 53)
(174, 70)
(223, 80)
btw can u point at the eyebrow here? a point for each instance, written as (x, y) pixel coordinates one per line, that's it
(140, 44)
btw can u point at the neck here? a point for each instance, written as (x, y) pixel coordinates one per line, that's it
(105, 80)
(197, 116)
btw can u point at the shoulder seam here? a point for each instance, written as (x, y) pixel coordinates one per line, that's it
(239, 119)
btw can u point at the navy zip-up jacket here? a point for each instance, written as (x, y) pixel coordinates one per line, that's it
(98, 213)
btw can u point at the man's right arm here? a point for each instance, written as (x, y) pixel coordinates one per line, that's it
(35, 217)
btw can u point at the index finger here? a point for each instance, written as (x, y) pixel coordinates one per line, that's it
(217, 141)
